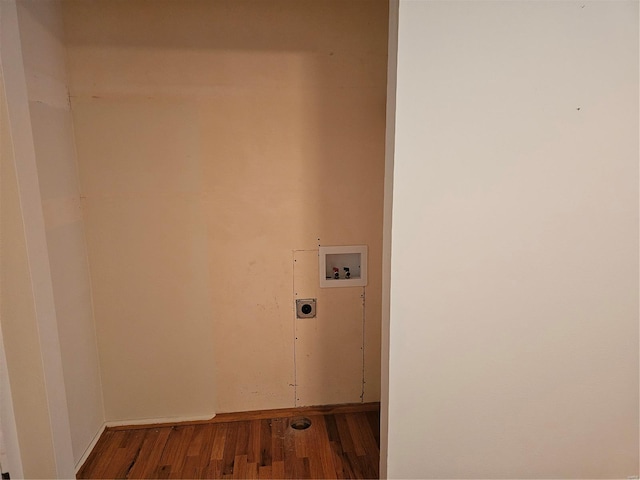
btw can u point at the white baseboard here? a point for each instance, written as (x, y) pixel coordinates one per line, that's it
(90, 448)
(151, 421)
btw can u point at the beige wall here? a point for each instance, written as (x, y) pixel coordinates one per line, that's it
(514, 285)
(44, 59)
(214, 140)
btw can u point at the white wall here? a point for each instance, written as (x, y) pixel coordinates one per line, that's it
(514, 285)
(27, 309)
(25, 373)
(11, 237)
(41, 33)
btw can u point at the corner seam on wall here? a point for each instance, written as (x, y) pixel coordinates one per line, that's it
(293, 290)
(92, 444)
(364, 316)
(82, 200)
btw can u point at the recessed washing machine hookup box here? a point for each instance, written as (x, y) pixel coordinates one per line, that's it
(344, 266)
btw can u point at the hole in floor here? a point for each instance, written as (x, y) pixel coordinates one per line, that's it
(300, 423)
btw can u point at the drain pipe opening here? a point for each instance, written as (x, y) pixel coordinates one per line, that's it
(300, 423)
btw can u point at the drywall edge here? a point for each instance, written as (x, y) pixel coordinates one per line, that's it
(29, 191)
(386, 230)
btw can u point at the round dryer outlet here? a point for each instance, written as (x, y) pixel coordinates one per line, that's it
(306, 308)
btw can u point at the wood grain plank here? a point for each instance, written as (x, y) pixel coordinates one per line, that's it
(242, 441)
(104, 462)
(197, 439)
(322, 447)
(332, 428)
(252, 471)
(290, 458)
(240, 466)
(163, 471)
(278, 426)
(367, 437)
(277, 469)
(197, 453)
(126, 455)
(204, 455)
(342, 465)
(354, 463)
(191, 467)
(346, 442)
(219, 441)
(229, 454)
(150, 452)
(374, 425)
(356, 437)
(333, 436)
(301, 441)
(264, 471)
(91, 464)
(213, 469)
(302, 468)
(176, 450)
(254, 444)
(265, 442)
(315, 468)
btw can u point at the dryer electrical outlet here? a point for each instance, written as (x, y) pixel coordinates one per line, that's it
(306, 308)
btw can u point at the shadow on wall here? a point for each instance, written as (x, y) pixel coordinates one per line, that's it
(214, 138)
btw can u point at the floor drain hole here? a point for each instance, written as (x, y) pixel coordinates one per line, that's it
(300, 423)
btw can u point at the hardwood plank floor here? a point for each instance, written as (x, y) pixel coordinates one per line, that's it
(342, 442)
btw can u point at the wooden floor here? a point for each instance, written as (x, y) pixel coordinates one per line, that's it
(342, 442)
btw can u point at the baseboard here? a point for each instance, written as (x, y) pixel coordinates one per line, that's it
(306, 410)
(243, 416)
(90, 447)
(150, 422)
